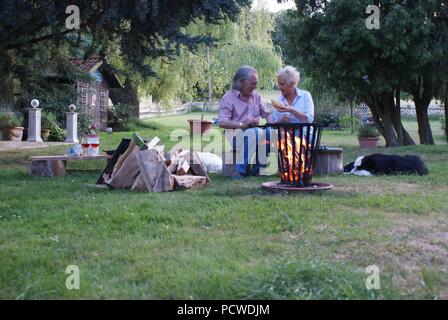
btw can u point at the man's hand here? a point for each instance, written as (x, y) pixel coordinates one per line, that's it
(249, 123)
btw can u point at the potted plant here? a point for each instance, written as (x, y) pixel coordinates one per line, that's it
(198, 127)
(48, 121)
(10, 126)
(368, 136)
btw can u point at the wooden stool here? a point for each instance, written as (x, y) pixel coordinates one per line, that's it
(328, 161)
(228, 163)
(54, 166)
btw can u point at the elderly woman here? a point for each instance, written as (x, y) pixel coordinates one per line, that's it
(298, 104)
(242, 108)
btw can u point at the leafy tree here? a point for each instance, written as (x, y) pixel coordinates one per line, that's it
(141, 29)
(246, 41)
(332, 43)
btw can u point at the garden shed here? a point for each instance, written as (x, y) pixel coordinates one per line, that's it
(95, 96)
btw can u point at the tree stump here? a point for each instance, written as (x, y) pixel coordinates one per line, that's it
(48, 168)
(328, 161)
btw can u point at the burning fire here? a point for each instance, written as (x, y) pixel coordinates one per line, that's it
(295, 158)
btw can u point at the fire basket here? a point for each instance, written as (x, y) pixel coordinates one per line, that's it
(297, 145)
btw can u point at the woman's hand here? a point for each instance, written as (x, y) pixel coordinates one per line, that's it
(280, 106)
(284, 119)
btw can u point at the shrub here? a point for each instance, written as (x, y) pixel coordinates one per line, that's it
(346, 122)
(368, 131)
(48, 120)
(10, 120)
(328, 120)
(119, 114)
(56, 134)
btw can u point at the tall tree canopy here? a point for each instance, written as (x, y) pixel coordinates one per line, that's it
(333, 44)
(141, 28)
(245, 41)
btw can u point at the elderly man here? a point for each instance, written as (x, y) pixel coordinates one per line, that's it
(241, 108)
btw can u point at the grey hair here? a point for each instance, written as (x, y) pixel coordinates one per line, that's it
(290, 74)
(243, 73)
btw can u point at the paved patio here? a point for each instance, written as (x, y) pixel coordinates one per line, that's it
(10, 145)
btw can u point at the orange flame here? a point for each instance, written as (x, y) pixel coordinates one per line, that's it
(294, 158)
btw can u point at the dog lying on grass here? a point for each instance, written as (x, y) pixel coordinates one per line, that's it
(377, 163)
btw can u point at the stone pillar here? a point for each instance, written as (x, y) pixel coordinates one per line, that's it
(34, 121)
(72, 127)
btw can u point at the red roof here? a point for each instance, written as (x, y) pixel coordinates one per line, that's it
(88, 64)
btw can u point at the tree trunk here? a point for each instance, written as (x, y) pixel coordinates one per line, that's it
(126, 95)
(387, 119)
(403, 136)
(422, 94)
(382, 122)
(424, 127)
(6, 78)
(446, 111)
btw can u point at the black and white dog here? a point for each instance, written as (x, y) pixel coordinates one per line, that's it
(386, 164)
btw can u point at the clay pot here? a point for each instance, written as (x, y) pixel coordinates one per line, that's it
(368, 142)
(45, 134)
(14, 134)
(198, 127)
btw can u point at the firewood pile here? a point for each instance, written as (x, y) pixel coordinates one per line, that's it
(147, 167)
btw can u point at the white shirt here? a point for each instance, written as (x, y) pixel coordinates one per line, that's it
(303, 102)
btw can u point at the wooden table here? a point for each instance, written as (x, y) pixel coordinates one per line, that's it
(53, 166)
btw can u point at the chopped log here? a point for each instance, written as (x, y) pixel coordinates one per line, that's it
(183, 167)
(197, 166)
(125, 176)
(154, 173)
(172, 168)
(159, 149)
(189, 182)
(123, 157)
(153, 142)
(183, 153)
(139, 184)
(48, 168)
(136, 141)
(174, 153)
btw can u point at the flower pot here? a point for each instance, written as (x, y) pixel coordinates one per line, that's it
(45, 134)
(368, 142)
(198, 127)
(14, 134)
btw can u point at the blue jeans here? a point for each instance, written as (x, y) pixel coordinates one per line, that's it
(249, 163)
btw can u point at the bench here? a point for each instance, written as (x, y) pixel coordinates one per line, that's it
(54, 166)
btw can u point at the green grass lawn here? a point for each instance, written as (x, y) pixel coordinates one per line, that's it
(230, 240)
